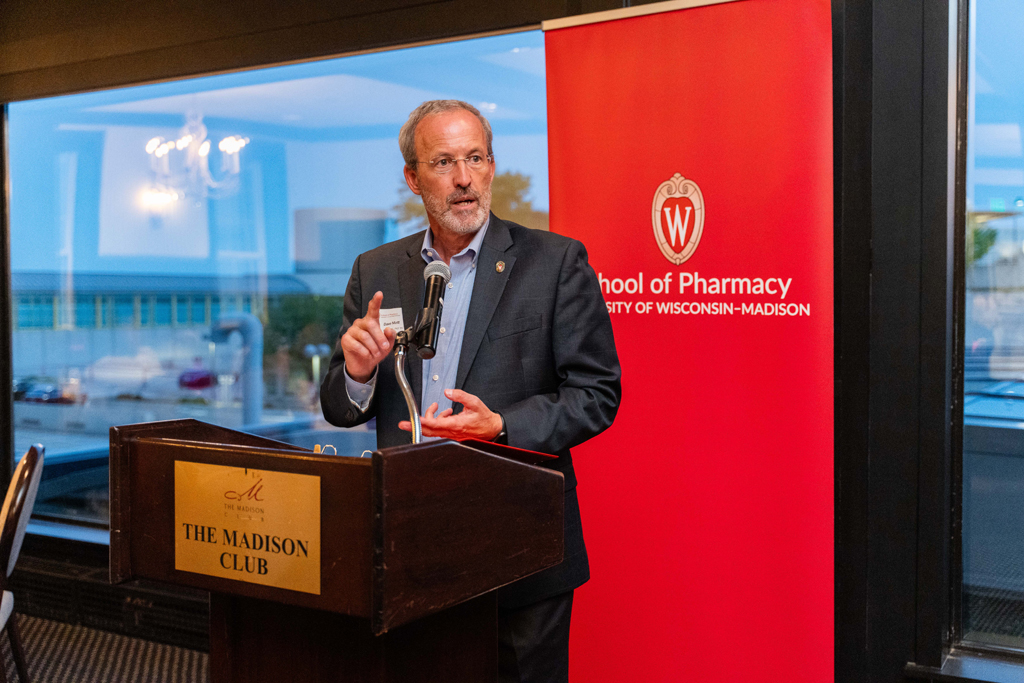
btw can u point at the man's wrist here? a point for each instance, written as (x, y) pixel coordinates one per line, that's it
(365, 380)
(502, 436)
(360, 393)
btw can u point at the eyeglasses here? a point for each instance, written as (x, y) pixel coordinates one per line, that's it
(442, 165)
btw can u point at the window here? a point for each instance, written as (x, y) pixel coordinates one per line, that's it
(993, 459)
(248, 193)
(161, 311)
(199, 316)
(180, 307)
(34, 312)
(85, 311)
(124, 311)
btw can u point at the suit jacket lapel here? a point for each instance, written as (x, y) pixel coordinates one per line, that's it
(487, 290)
(410, 287)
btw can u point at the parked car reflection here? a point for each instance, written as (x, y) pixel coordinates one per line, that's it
(46, 393)
(198, 378)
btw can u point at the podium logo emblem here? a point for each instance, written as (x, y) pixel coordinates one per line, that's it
(678, 217)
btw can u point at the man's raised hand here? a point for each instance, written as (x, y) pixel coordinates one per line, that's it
(476, 421)
(364, 344)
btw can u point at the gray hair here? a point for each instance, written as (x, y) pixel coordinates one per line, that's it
(407, 136)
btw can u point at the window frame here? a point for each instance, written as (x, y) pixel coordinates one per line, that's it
(899, 282)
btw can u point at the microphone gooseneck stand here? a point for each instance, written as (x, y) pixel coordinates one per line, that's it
(402, 341)
(422, 335)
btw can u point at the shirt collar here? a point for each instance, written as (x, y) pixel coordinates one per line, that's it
(429, 254)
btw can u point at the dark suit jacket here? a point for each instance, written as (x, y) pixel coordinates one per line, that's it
(538, 348)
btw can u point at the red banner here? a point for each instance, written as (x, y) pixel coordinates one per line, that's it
(691, 151)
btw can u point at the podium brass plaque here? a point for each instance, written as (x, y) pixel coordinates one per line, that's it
(248, 525)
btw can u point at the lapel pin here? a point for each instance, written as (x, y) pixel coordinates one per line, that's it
(499, 266)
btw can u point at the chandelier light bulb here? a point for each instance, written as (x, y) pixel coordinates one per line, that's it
(155, 199)
(204, 148)
(153, 144)
(232, 144)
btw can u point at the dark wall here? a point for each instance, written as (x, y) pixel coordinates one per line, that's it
(50, 47)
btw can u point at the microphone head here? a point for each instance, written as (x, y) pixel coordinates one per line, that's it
(437, 268)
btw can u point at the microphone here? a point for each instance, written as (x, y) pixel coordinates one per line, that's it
(428, 322)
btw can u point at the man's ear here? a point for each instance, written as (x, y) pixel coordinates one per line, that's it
(412, 180)
(493, 169)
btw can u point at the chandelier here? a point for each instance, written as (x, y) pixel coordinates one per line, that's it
(181, 167)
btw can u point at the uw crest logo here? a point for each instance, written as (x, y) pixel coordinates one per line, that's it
(678, 218)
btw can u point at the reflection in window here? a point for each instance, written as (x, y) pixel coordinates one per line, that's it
(993, 461)
(142, 216)
(162, 311)
(65, 311)
(199, 316)
(124, 311)
(35, 312)
(179, 308)
(85, 311)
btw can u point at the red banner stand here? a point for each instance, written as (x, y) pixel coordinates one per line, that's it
(707, 507)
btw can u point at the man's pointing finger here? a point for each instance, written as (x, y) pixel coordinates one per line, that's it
(373, 309)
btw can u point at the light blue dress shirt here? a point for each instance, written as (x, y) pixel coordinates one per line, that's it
(439, 373)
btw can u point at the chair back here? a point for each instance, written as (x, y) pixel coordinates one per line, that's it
(17, 509)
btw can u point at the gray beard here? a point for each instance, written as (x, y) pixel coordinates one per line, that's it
(440, 209)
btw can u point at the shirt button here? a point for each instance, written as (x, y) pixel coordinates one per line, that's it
(435, 378)
(442, 330)
(450, 285)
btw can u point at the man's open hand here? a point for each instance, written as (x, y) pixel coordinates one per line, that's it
(365, 344)
(476, 421)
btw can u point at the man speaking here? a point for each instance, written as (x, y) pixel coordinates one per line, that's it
(524, 355)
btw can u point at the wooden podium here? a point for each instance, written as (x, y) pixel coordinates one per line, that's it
(412, 543)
